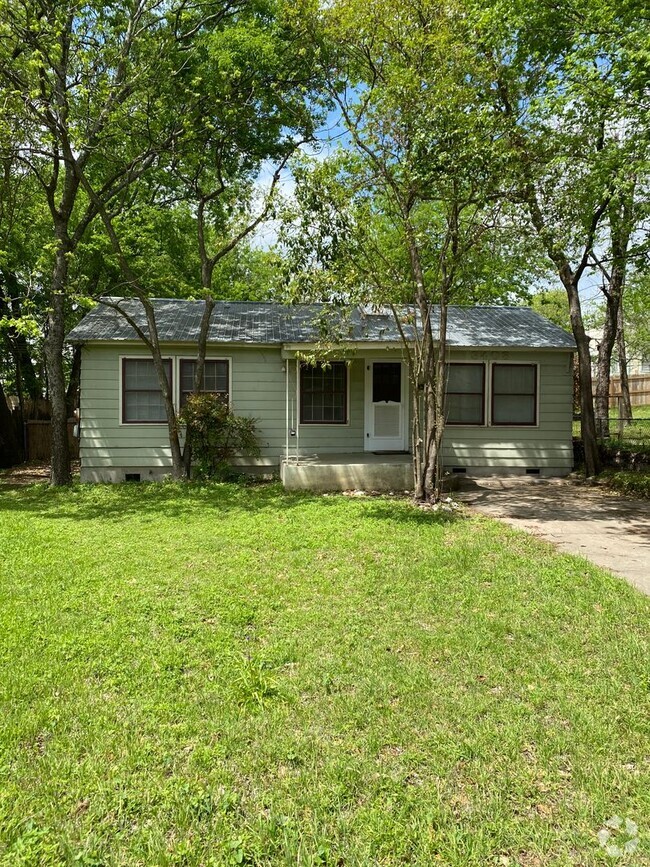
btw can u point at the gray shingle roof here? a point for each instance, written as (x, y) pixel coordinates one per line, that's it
(271, 323)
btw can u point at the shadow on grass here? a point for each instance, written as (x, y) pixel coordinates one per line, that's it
(119, 502)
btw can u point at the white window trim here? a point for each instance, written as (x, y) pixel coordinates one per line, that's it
(120, 379)
(537, 367)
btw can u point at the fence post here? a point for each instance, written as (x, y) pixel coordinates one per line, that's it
(621, 420)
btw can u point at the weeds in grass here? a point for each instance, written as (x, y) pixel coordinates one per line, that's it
(254, 682)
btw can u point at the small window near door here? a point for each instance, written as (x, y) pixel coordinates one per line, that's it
(466, 394)
(514, 394)
(215, 378)
(386, 382)
(324, 393)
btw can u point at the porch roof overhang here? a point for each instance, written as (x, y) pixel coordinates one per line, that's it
(352, 347)
(358, 348)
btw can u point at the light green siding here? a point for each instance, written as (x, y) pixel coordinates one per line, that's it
(547, 445)
(259, 379)
(258, 390)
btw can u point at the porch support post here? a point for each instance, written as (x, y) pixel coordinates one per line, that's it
(297, 410)
(286, 409)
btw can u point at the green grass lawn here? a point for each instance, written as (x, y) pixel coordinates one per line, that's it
(220, 675)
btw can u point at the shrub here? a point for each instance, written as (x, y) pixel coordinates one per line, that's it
(216, 435)
(631, 482)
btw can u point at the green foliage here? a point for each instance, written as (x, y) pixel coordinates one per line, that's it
(636, 308)
(216, 434)
(423, 151)
(553, 304)
(635, 483)
(172, 117)
(566, 80)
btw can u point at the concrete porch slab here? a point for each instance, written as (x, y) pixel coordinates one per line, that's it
(362, 471)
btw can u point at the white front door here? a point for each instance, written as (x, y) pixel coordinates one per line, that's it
(386, 406)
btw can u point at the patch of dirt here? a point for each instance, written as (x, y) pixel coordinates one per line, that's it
(30, 473)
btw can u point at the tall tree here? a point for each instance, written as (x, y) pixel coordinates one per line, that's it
(405, 216)
(624, 250)
(238, 118)
(80, 83)
(565, 79)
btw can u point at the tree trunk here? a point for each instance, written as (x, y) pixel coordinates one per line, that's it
(621, 220)
(625, 403)
(587, 418)
(430, 363)
(436, 468)
(151, 341)
(54, 342)
(570, 280)
(604, 364)
(416, 437)
(425, 351)
(200, 361)
(178, 469)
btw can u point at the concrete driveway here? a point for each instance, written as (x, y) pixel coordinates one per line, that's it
(610, 530)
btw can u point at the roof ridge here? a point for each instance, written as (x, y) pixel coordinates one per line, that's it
(290, 305)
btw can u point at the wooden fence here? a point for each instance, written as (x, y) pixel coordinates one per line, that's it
(639, 390)
(38, 441)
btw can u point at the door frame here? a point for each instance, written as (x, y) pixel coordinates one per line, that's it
(368, 442)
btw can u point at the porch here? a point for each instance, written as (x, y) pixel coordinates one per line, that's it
(361, 471)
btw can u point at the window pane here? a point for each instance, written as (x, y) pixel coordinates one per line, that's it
(465, 408)
(215, 376)
(140, 374)
(465, 378)
(323, 393)
(386, 381)
(144, 406)
(142, 397)
(514, 409)
(465, 399)
(514, 389)
(187, 375)
(513, 379)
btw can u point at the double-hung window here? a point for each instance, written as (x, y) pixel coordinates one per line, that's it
(514, 394)
(465, 393)
(142, 399)
(215, 378)
(324, 393)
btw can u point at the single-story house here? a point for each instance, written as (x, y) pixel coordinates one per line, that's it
(340, 425)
